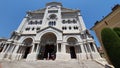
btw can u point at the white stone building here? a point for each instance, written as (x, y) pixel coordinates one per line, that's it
(53, 32)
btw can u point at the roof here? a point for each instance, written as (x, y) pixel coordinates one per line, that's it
(54, 3)
(69, 10)
(37, 11)
(113, 9)
(62, 10)
(3, 39)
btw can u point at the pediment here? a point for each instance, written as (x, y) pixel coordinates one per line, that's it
(50, 28)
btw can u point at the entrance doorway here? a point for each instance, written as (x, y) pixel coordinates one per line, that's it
(26, 48)
(49, 52)
(48, 47)
(26, 52)
(72, 52)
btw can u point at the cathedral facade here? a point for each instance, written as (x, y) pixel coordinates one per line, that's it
(51, 33)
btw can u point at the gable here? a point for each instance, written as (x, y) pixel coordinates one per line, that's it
(50, 28)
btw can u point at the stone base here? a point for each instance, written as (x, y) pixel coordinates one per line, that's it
(89, 56)
(96, 55)
(31, 57)
(81, 56)
(14, 56)
(62, 56)
(2, 55)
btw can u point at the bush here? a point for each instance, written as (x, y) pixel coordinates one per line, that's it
(117, 30)
(111, 43)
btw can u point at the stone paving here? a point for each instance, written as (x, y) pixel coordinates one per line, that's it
(51, 64)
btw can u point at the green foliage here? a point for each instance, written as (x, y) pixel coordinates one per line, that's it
(111, 43)
(117, 30)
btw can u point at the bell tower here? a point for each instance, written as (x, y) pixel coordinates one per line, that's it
(52, 16)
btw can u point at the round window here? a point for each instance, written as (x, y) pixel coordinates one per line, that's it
(52, 16)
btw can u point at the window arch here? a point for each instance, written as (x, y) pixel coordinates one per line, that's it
(53, 16)
(52, 23)
(75, 27)
(69, 21)
(70, 27)
(28, 41)
(64, 27)
(33, 28)
(72, 40)
(63, 21)
(74, 21)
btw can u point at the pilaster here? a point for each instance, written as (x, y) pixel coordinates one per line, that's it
(63, 48)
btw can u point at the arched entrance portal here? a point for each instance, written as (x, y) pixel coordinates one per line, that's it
(26, 48)
(72, 49)
(48, 47)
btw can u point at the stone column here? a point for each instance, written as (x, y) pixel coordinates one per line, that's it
(86, 48)
(91, 52)
(5, 45)
(33, 55)
(9, 53)
(7, 48)
(11, 48)
(33, 46)
(16, 49)
(57, 48)
(82, 48)
(1, 44)
(95, 48)
(21, 50)
(63, 48)
(83, 54)
(2, 54)
(38, 47)
(89, 47)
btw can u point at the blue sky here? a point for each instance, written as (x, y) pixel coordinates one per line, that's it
(13, 11)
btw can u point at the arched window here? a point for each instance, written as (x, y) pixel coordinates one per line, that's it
(52, 16)
(72, 40)
(40, 22)
(75, 27)
(64, 27)
(36, 22)
(63, 21)
(27, 41)
(70, 27)
(27, 29)
(31, 22)
(69, 21)
(33, 28)
(52, 23)
(74, 21)
(38, 28)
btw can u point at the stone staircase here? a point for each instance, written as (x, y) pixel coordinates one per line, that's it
(51, 64)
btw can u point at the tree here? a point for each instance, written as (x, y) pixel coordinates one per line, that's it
(117, 30)
(111, 43)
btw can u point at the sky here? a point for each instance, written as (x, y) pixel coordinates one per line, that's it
(13, 11)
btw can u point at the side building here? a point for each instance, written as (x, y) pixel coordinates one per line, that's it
(112, 20)
(53, 32)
